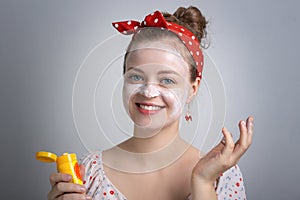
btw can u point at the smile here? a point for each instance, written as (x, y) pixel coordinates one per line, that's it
(148, 108)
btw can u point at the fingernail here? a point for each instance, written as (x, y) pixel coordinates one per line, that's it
(243, 123)
(88, 197)
(82, 189)
(251, 121)
(69, 177)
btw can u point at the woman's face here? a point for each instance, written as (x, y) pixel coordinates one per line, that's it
(156, 87)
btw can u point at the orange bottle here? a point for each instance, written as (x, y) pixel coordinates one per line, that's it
(66, 163)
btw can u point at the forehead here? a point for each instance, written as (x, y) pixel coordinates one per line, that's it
(161, 57)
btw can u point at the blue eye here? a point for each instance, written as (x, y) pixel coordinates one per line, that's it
(136, 77)
(167, 81)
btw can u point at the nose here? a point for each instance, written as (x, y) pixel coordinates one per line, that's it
(149, 91)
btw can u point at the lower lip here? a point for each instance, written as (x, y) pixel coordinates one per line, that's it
(148, 112)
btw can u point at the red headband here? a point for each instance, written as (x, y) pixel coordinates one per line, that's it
(157, 19)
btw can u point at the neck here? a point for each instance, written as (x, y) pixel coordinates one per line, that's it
(143, 155)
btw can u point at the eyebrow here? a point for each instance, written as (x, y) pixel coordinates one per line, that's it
(168, 72)
(159, 73)
(135, 69)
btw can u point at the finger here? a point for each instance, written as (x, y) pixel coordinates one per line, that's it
(73, 196)
(245, 138)
(59, 177)
(223, 141)
(250, 127)
(63, 187)
(82, 171)
(221, 145)
(242, 144)
(229, 144)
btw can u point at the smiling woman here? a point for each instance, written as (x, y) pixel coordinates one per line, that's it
(162, 74)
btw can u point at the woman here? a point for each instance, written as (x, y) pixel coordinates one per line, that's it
(162, 73)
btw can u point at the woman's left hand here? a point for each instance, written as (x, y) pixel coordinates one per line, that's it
(224, 156)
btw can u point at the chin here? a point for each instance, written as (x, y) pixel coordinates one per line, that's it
(149, 122)
(152, 121)
(153, 124)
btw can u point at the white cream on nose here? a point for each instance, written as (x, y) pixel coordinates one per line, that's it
(149, 91)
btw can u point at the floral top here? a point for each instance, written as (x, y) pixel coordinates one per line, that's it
(230, 185)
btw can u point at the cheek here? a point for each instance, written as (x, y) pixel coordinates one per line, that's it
(129, 90)
(175, 99)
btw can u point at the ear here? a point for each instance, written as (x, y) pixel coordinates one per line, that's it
(193, 90)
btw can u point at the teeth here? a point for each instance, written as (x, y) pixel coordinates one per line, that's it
(150, 107)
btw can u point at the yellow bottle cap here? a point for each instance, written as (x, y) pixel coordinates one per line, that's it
(44, 156)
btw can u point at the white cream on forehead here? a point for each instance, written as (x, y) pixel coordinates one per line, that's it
(160, 46)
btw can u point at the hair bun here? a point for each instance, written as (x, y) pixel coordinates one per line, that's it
(191, 18)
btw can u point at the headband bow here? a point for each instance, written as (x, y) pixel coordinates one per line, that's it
(157, 19)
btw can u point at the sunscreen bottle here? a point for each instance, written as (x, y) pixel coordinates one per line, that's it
(66, 163)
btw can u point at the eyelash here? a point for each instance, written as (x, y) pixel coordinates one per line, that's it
(133, 76)
(136, 77)
(167, 79)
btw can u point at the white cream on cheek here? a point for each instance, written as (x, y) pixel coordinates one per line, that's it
(175, 98)
(129, 90)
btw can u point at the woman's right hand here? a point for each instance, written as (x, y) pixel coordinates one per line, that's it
(63, 189)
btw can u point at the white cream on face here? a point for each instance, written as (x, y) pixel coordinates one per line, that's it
(146, 69)
(176, 96)
(149, 91)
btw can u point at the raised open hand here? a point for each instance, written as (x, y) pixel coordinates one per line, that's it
(225, 155)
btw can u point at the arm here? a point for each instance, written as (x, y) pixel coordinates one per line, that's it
(202, 190)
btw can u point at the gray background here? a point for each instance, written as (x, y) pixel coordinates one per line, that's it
(42, 44)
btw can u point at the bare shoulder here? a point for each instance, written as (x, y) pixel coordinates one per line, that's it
(192, 154)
